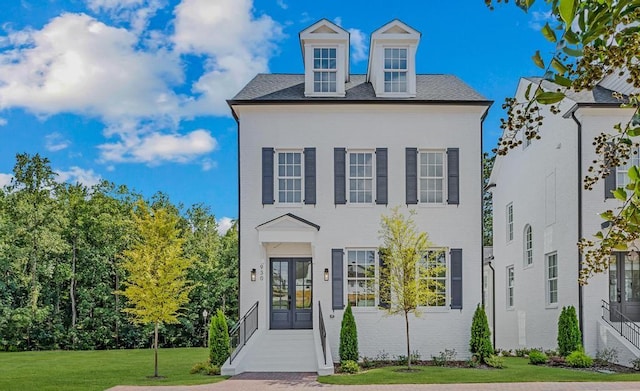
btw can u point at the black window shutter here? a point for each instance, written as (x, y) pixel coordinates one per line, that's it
(384, 290)
(337, 286)
(339, 178)
(381, 176)
(453, 176)
(412, 175)
(310, 176)
(456, 278)
(610, 180)
(267, 176)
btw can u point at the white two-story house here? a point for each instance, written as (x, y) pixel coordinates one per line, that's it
(322, 156)
(540, 212)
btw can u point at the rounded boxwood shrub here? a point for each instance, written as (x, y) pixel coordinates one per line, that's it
(348, 337)
(349, 366)
(579, 359)
(536, 357)
(569, 336)
(480, 343)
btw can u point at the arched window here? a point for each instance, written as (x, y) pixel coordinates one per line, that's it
(528, 246)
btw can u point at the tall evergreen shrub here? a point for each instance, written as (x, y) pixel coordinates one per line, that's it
(348, 337)
(219, 344)
(480, 343)
(569, 336)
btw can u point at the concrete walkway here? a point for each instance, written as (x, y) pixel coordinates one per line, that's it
(295, 381)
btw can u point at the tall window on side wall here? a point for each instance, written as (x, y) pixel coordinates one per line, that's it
(361, 275)
(434, 276)
(395, 70)
(324, 70)
(510, 287)
(622, 172)
(552, 279)
(528, 245)
(360, 177)
(289, 172)
(509, 213)
(431, 179)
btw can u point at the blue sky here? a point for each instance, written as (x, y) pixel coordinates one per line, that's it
(133, 91)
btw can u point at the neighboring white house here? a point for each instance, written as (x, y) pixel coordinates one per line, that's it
(540, 211)
(322, 156)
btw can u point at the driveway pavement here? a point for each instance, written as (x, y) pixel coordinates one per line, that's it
(303, 381)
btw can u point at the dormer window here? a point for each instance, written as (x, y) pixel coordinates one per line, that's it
(395, 70)
(324, 70)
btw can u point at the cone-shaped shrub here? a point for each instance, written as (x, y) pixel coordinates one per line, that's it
(480, 343)
(219, 344)
(348, 337)
(569, 336)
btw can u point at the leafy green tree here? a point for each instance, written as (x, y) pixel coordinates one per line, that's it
(480, 343)
(156, 286)
(348, 337)
(569, 336)
(591, 40)
(219, 343)
(408, 264)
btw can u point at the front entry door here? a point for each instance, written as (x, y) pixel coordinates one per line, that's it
(291, 295)
(624, 286)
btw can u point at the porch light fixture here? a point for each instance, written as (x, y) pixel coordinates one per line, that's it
(326, 274)
(253, 274)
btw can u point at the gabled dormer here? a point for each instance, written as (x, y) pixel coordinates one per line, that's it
(392, 60)
(325, 50)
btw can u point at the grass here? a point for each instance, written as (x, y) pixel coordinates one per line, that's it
(516, 370)
(99, 369)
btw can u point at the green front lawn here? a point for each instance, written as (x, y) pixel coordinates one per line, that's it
(98, 369)
(517, 370)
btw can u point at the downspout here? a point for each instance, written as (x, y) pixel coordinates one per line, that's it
(493, 302)
(239, 220)
(580, 288)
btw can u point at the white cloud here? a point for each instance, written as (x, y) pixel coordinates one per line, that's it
(538, 19)
(338, 20)
(78, 175)
(135, 12)
(208, 164)
(5, 179)
(56, 142)
(155, 147)
(358, 41)
(282, 4)
(224, 224)
(3, 121)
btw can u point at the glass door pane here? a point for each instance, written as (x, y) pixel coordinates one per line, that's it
(280, 285)
(303, 285)
(632, 278)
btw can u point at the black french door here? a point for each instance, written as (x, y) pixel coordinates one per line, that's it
(624, 285)
(291, 293)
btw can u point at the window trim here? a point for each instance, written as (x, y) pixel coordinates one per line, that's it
(348, 177)
(548, 280)
(376, 264)
(634, 160)
(315, 70)
(447, 286)
(509, 218)
(385, 70)
(527, 242)
(444, 177)
(510, 285)
(276, 176)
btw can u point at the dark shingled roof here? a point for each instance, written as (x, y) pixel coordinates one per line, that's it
(599, 94)
(286, 87)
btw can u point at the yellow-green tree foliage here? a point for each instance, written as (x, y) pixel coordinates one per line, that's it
(407, 266)
(156, 287)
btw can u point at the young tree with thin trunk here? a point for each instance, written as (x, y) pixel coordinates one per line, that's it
(406, 275)
(156, 286)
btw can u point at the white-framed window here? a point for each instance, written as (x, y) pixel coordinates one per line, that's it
(510, 287)
(395, 69)
(528, 246)
(361, 277)
(552, 279)
(431, 174)
(435, 277)
(324, 70)
(622, 172)
(360, 177)
(509, 222)
(289, 177)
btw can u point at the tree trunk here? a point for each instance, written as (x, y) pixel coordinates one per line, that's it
(117, 286)
(155, 347)
(72, 288)
(406, 321)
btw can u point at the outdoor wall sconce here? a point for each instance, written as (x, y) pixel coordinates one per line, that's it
(253, 274)
(326, 274)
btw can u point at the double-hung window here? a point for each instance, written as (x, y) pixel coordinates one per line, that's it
(622, 172)
(510, 287)
(289, 170)
(395, 70)
(510, 222)
(360, 177)
(528, 246)
(431, 177)
(324, 70)
(552, 279)
(433, 273)
(361, 276)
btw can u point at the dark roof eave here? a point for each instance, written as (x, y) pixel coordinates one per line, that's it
(232, 102)
(608, 105)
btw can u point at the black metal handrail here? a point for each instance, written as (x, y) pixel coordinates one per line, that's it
(323, 334)
(627, 328)
(243, 330)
